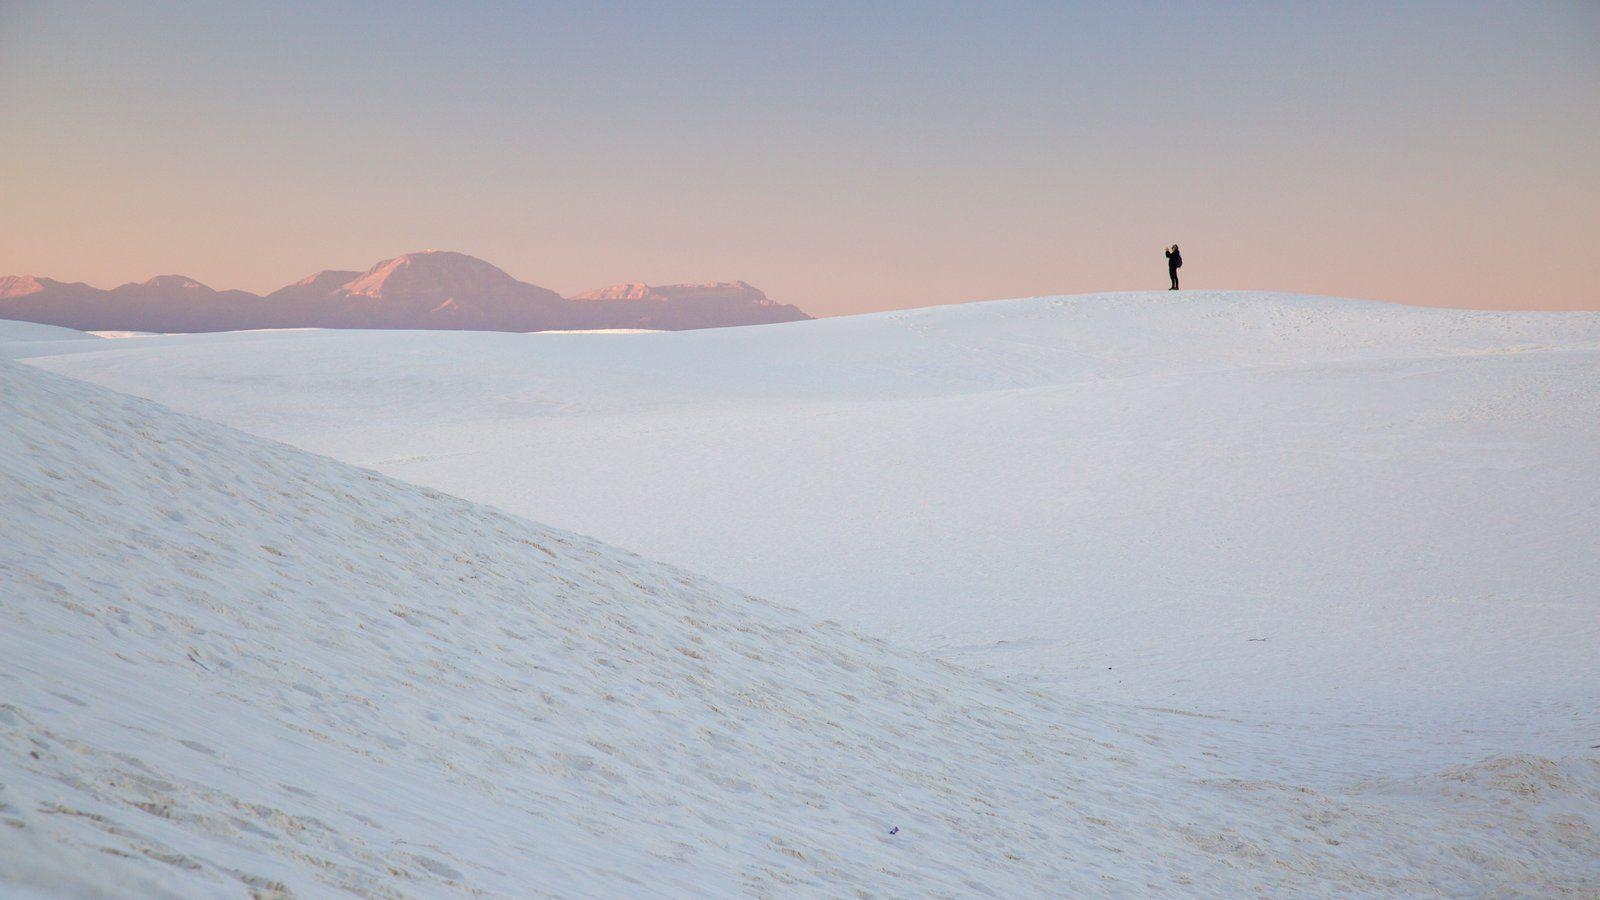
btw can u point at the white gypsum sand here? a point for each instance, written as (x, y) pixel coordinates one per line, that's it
(1392, 734)
(1373, 521)
(229, 665)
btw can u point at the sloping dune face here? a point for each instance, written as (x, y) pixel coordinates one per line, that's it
(1370, 519)
(229, 666)
(19, 338)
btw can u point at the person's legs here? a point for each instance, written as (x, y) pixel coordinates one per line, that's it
(1174, 273)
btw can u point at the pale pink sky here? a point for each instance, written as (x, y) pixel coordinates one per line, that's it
(843, 159)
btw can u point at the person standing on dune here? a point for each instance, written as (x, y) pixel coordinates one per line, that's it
(1174, 261)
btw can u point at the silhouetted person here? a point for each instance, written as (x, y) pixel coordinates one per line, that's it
(1174, 261)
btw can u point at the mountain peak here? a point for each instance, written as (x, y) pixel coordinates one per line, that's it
(173, 283)
(329, 278)
(735, 291)
(19, 285)
(430, 271)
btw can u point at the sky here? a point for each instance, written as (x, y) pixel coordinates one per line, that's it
(845, 157)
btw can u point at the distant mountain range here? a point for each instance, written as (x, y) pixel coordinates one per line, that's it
(434, 289)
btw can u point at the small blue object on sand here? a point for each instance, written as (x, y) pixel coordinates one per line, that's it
(895, 830)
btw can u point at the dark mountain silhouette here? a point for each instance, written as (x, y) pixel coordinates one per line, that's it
(433, 289)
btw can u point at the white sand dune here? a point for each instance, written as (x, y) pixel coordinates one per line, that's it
(228, 665)
(1372, 521)
(23, 338)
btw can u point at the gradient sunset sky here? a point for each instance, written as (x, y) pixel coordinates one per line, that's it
(845, 157)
